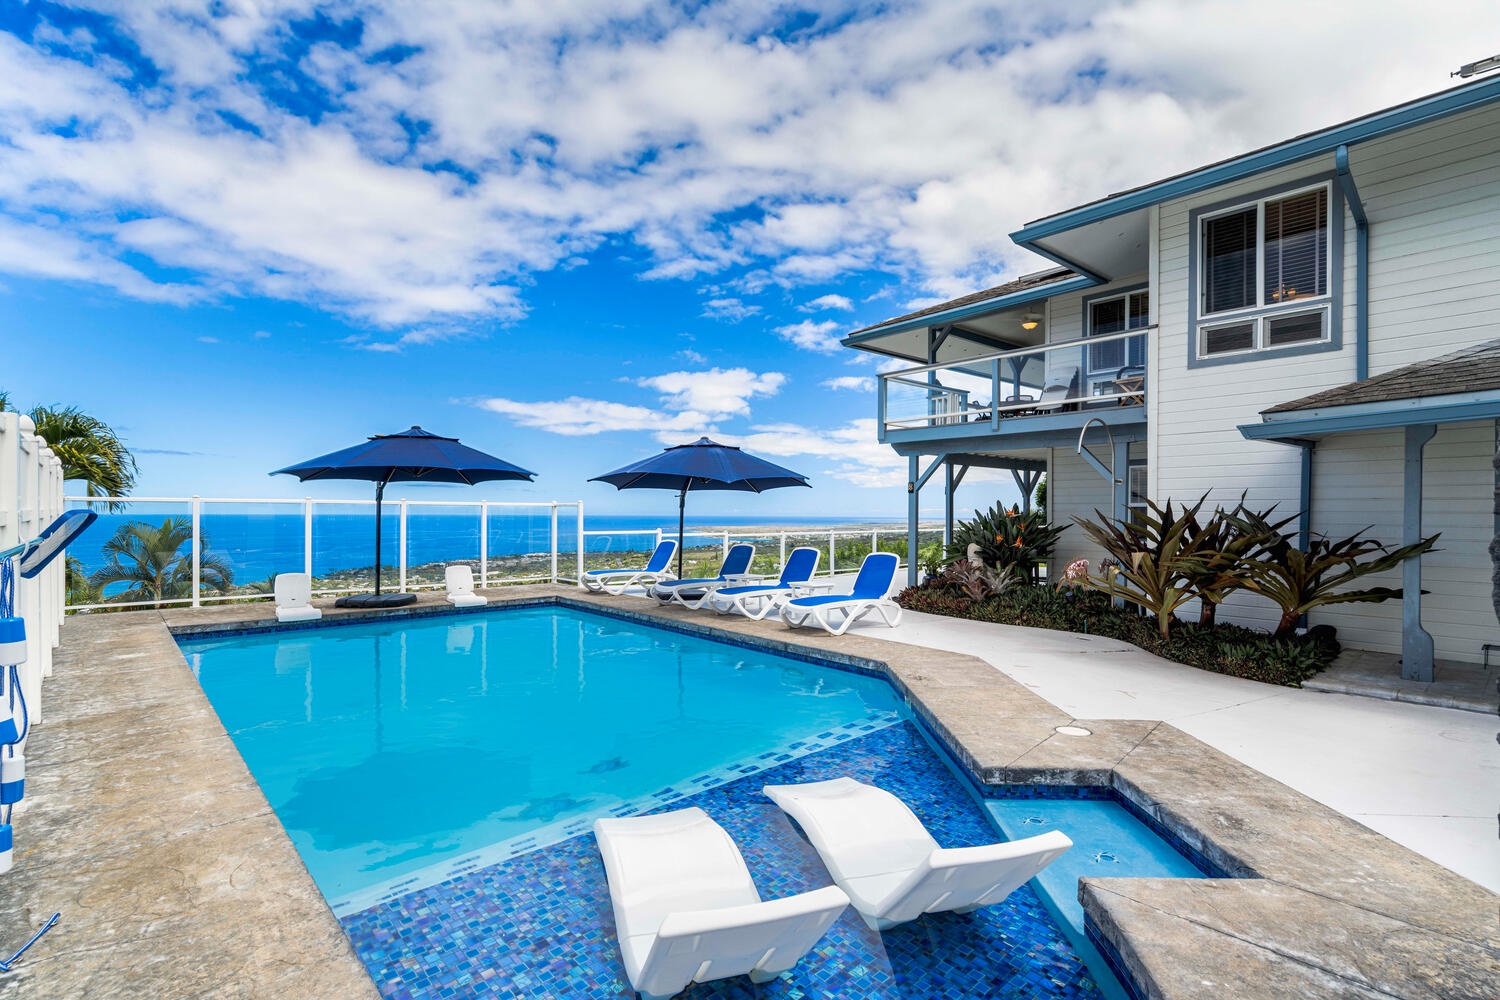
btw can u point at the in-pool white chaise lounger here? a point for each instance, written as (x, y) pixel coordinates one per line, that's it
(692, 593)
(878, 851)
(293, 594)
(617, 581)
(460, 581)
(760, 599)
(686, 909)
(868, 594)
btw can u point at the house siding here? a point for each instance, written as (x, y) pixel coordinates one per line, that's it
(1357, 484)
(1433, 198)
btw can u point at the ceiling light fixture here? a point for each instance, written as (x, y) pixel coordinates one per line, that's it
(1030, 321)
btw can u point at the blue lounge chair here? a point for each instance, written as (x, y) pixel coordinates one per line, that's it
(874, 581)
(759, 600)
(615, 581)
(692, 593)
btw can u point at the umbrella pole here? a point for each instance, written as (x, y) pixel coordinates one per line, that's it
(379, 493)
(681, 506)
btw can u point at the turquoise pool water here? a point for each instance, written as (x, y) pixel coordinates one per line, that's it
(399, 754)
(1108, 842)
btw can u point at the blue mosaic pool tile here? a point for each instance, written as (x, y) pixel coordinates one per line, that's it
(540, 925)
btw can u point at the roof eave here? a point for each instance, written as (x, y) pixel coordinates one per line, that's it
(1441, 105)
(1297, 426)
(972, 309)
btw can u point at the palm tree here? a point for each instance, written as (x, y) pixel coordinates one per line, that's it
(80, 589)
(90, 450)
(153, 562)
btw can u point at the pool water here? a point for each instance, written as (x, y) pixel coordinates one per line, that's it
(399, 754)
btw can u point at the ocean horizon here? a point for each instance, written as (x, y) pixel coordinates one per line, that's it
(258, 545)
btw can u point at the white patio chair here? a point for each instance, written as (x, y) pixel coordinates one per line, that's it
(868, 594)
(686, 909)
(616, 581)
(878, 851)
(758, 600)
(694, 592)
(293, 594)
(460, 580)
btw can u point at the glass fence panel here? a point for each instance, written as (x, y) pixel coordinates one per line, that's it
(702, 553)
(437, 537)
(767, 561)
(520, 544)
(616, 549)
(344, 547)
(141, 555)
(849, 551)
(810, 540)
(246, 544)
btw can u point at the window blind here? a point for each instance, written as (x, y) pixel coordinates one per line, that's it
(1229, 261)
(1296, 247)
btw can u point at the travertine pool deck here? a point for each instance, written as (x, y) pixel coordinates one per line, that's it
(144, 829)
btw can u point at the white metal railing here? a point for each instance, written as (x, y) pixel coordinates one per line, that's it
(560, 539)
(1106, 370)
(31, 496)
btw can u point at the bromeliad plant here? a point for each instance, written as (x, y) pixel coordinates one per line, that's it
(1159, 554)
(1299, 580)
(1004, 538)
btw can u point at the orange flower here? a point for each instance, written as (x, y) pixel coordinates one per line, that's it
(1019, 545)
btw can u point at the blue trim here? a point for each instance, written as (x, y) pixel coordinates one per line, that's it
(1334, 304)
(1381, 123)
(1018, 433)
(972, 309)
(1361, 264)
(1304, 497)
(1416, 643)
(1402, 413)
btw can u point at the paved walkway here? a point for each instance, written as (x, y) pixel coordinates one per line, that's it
(1427, 778)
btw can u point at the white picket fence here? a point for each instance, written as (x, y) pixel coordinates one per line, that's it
(31, 496)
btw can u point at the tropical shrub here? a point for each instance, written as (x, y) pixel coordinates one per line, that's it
(1222, 648)
(1159, 555)
(1299, 580)
(1006, 538)
(157, 563)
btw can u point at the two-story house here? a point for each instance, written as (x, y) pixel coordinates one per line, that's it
(1315, 324)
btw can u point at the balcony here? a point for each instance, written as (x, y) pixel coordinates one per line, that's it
(1025, 396)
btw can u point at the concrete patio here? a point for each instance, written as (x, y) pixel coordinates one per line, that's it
(175, 880)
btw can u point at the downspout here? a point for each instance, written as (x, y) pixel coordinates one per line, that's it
(1361, 264)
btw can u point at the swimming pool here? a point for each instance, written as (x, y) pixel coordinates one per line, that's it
(400, 753)
(438, 775)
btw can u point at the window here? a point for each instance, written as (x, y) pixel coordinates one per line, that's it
(1268, 257)
(1136, 482)
(1130, 311)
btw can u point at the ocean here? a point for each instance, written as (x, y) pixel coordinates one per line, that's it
(258, 545)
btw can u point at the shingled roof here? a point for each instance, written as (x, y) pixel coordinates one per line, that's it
(1020, 284)
(1473, 369)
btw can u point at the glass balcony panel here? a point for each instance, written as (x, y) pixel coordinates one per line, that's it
(244, 546)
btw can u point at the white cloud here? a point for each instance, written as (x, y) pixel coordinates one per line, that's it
(208, 340)
(851, 452)
(262, 335)
(908, 137)
(692, 357)
(824, 303)
(822, 338)
(854, 383)
(577, 416)
(729, 309)
(720, 391)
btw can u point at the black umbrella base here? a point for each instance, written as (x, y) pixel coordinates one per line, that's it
(375, 601)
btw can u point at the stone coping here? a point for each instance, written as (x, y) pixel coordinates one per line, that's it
(183, 884)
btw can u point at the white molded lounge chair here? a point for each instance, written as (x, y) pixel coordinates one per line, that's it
(617, 581)
(686, 909)
(879, 852)
(693, 593)
(759, 600)
(461, 588)
(293, 592)
(867, 595)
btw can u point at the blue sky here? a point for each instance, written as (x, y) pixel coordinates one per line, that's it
(572, 232)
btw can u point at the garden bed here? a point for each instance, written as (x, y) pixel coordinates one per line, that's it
(1222, 648)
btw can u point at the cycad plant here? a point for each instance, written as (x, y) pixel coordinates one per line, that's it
(157, 563)
(1298, 580)
(1006, 538)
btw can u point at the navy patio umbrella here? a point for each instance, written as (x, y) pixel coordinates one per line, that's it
(702, 465)
(411, 456)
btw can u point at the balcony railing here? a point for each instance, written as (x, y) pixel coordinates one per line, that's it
(1069, 376)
